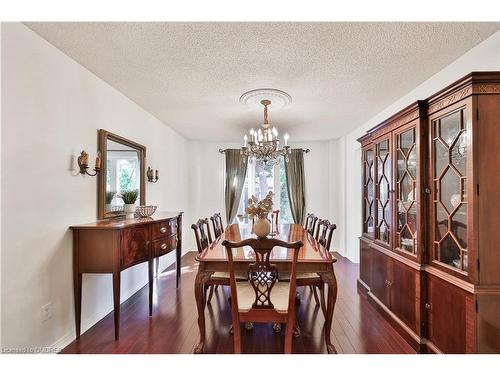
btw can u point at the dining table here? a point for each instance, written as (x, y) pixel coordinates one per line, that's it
(312, 258)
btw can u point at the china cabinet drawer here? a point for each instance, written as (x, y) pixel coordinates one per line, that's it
(164, 228)
(164, 246)
(135, 246)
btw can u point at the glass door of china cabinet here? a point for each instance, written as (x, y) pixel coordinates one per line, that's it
(405, 155)
(383, 191)
(450, 133)
(368, 191)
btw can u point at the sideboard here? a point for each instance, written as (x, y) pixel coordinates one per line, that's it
(113, 245)
(429, 253)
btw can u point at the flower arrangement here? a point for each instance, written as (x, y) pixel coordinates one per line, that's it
(260, 209)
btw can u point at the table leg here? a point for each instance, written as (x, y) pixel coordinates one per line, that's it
(329, 279)
(78, 302)
(116, 300)
(199, 285)
(150, 271)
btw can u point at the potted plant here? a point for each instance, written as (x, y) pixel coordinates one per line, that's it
(109, 197)
(129, 198)
(261, 226)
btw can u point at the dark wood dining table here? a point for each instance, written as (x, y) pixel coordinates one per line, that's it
(313, 258)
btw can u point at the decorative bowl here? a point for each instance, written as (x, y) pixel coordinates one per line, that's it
(145, 211)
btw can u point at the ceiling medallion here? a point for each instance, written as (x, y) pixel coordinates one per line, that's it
(278, 98)
(263, 144)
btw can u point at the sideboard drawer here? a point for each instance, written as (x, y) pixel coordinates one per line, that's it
(164, 245)
(135, 246)
(164, 228)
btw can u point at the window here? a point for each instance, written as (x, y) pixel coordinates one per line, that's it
(261, 179)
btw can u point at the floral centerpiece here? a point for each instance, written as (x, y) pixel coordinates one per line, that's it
(260, 210)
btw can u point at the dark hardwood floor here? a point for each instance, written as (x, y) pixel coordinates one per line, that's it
(357, 327)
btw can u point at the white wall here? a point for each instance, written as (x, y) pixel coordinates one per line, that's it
(52, 111)
(485, 56)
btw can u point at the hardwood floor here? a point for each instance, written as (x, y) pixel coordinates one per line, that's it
(357, 327)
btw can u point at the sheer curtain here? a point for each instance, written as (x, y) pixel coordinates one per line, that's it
(236, 170)
(295, 183)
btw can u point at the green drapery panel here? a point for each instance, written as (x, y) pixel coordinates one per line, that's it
(236, 170)
(295, 184)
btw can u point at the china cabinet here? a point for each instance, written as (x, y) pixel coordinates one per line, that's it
(430, 208)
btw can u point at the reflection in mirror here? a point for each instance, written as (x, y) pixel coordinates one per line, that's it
(122, 174)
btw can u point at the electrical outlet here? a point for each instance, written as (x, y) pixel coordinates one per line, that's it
(46, 312)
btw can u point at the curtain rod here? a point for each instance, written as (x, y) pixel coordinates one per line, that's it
(305, 150)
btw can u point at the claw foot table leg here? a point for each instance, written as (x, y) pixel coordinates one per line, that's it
(329, 279)
(199, 284)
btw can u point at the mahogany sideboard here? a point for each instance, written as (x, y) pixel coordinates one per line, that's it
(429, 253)
(113, 245)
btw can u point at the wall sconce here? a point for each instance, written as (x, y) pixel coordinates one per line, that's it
(152, 177)
(83, 163)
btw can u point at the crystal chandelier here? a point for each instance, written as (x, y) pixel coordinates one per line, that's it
(263, 144)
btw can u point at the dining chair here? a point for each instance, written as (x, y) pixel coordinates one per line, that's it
(203, 240)
(323, 235)
(310, 225)
(217, 224)
(262, 298)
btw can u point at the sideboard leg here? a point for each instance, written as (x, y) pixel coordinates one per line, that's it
(116, 300)
(150, 271)
(78, 302)
(178, 251)
(178, 265)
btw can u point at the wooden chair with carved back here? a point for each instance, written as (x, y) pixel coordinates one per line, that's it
(262, 298)
(310, 225)
(323, 235)
(216, 220)
(203, 240)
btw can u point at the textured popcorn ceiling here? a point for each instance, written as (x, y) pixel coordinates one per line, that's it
(191, 75)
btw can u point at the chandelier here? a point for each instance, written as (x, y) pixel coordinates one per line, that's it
(263, 144)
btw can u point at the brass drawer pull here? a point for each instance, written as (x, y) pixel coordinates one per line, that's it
(163, 246)
(163, 229)
(428, 306)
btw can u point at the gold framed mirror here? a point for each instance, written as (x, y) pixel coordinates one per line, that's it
(123, 163)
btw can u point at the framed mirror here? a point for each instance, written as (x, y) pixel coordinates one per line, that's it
(123, 164)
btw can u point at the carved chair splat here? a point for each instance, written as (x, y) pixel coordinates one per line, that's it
(310, 225)
(217, 224)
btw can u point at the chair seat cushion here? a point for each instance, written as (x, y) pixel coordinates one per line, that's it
(300, 276)
(279, 296)
(225, 275)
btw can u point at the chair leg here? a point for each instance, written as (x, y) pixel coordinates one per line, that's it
(289, 336)
(313, 291)
(210, 294)
(237, 339)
